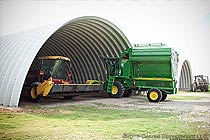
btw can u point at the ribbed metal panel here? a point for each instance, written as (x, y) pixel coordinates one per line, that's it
(83, 40)
(18, 53)
(185, 75)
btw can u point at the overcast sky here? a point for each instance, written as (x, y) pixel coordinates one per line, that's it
(181, 24)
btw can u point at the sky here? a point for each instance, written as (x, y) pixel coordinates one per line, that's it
(181, 24)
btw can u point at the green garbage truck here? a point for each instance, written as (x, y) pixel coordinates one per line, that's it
(152, 69)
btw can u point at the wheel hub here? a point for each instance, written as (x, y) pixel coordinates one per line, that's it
(114, 90)
(153, 95)
(33, 93)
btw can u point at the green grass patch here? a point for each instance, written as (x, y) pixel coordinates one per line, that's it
(209, 88)
(95, 114)
(174, 97)
(79, 122)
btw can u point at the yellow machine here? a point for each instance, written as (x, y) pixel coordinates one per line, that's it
(55, 78)
(42, 90)
(53, 70)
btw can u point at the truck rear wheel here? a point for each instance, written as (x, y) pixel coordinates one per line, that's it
(164, 96)
(206, 88)
(154, 95)
(117, 90)
(127, 93)
(202, 88)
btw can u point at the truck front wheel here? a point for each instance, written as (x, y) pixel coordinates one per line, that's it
(193, 87)
(154, 95)
(33, 93)
(117, 90)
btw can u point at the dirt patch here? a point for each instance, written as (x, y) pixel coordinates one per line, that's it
(11, 109)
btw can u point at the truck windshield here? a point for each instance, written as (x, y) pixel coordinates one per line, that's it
(55, 68)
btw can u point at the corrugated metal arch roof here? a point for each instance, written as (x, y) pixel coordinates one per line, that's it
(184, 75)
(82, 39)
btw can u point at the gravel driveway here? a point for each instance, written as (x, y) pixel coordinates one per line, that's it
(194, 109)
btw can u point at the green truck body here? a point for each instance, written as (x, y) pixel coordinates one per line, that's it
(151, 69)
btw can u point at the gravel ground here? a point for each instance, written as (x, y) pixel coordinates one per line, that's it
(193, 110)
(198, 108)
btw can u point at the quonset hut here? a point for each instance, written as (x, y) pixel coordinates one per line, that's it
(83, 40)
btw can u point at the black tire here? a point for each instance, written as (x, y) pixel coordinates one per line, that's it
(154, 95)
(117, 90)
(164, 96)
(32, 94)
(70, 97)
(206, 88)
(127, 93)
(193, 87)
(202, 88)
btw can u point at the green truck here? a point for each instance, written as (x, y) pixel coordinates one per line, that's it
(152, 69)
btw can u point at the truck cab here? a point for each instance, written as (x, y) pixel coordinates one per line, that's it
(55, 78)
(56, 67)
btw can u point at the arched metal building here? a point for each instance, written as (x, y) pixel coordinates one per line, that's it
(83, 40)
(184, 75)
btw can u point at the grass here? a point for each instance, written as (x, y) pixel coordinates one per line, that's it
(209, 87)
(79, 122)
